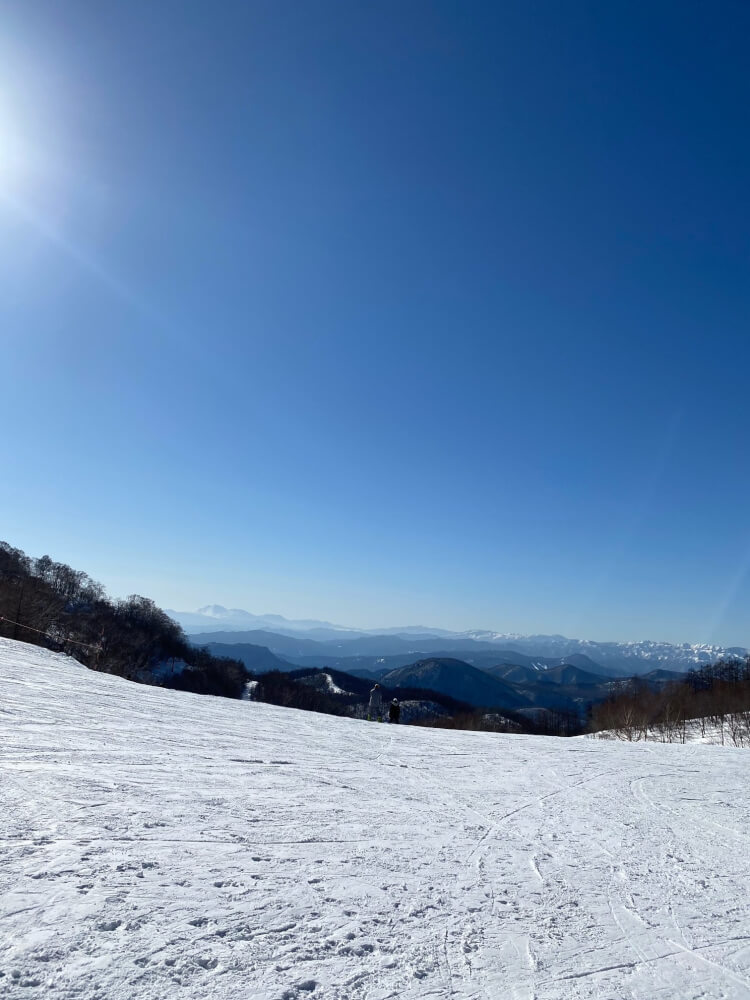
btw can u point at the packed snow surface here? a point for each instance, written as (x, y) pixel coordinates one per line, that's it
(159, 844)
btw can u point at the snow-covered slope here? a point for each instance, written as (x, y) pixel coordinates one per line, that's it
(158, 844)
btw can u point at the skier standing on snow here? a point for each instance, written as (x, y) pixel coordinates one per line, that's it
(394, 711)
(375, 706)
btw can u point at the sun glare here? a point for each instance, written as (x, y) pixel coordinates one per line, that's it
(11, 149)
(23, 159)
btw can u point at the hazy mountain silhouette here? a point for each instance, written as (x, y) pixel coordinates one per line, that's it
(459, 680)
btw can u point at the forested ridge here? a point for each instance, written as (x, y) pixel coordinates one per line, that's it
(50, 604)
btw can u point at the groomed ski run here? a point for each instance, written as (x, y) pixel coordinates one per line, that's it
(159, 844)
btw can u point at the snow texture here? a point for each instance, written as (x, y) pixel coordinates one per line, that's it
(159, 844)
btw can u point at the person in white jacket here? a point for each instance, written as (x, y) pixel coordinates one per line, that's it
(375, 706)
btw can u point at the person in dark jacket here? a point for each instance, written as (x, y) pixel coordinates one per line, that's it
(394, 711)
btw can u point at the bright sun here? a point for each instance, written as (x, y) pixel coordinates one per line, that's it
(20, 158)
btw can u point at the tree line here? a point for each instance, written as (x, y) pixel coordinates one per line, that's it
(298, 689)
(52, 605)
(713, 698)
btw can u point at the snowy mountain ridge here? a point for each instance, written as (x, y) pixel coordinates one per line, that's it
(679, 656)
(627, 657)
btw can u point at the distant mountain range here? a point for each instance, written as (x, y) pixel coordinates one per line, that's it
(481, 672)
(214, 617)
(515, 688)
(309, 642)
(476, 672)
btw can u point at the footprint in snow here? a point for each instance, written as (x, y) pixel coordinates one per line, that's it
(207, 963)
(109, 925)
(307, 986)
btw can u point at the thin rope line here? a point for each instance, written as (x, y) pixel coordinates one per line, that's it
(76, 642)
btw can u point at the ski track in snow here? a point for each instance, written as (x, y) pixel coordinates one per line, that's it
(156, 843)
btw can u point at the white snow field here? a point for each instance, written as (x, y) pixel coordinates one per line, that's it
(158, 844)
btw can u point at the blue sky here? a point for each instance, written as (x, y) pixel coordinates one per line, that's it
(383, 313)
